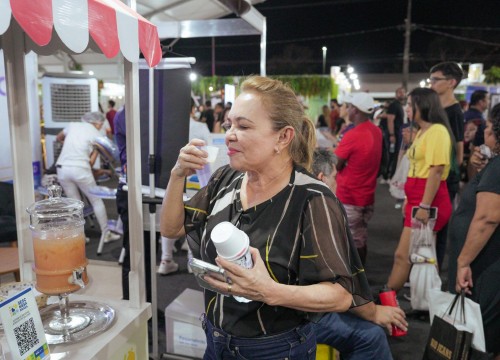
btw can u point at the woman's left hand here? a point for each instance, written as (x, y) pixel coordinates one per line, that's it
(254, 284)
(422, 215)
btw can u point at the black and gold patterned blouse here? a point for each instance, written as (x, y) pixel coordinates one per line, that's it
(303, 238)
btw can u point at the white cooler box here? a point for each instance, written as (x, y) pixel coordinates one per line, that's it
(183, 330)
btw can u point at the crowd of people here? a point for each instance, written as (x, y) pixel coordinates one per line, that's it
(445, 146)
(305, 210)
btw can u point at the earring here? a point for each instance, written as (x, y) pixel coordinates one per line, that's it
(277, 151)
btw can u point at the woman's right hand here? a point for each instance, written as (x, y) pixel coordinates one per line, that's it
(477, 159)
(422, 215)
(464, 279)
(190, 159)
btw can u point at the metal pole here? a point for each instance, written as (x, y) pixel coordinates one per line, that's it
(152, 213)
(213, 56)
(13, 42)
(406, 54)
(324, 59)
(263, 48)
(133, 131)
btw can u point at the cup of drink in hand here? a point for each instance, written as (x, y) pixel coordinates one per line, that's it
(485, 151)
(388, 298)
(212, 152)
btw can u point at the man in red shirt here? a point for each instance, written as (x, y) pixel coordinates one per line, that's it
(359, 155)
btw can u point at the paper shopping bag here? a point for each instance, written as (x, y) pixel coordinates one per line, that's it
(447, 342)
(439, 302)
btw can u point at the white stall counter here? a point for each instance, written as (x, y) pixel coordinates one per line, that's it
(127, 338)
(128, 334)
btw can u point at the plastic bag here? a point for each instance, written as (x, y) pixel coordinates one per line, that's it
(424, 275)
(423, 278)
(440, 301)
(447, 339)
(423, 240)
(398, 181)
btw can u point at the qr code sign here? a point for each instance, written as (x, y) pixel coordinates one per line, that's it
(26, 336)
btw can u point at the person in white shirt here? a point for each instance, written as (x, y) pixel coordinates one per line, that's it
(197, 129)
(74, 165)
(106, 131)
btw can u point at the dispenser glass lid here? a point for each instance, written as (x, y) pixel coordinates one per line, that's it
(56, 210)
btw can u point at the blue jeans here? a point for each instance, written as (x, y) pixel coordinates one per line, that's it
(296, 344)
(353, 337)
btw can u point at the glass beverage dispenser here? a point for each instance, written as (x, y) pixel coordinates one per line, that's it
(58, 243)
(61, 268)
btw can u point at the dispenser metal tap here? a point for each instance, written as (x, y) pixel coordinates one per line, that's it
(78, 276)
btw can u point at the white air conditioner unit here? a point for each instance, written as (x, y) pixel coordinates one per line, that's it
(66, 97)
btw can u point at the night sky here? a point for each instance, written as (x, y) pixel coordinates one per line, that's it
(367, 34)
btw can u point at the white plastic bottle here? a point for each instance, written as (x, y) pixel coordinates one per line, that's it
(233, 245)
(419, 259)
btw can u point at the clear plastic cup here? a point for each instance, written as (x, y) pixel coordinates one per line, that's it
(212, 152)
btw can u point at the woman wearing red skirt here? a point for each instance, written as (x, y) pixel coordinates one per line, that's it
(429, 156)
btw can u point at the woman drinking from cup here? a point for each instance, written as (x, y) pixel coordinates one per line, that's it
(304, 260)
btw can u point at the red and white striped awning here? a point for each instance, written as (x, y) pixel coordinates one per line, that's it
(111, 24)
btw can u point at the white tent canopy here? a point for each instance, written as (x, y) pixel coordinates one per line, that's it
(178, 10)
(108, 26)
(176, 19)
